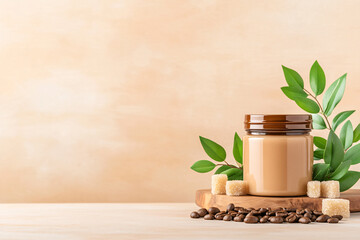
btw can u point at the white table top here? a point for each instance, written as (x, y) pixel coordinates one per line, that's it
(149, 221)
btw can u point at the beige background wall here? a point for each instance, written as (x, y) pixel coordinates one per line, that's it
(105, 100)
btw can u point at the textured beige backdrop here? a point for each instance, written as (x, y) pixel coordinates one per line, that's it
(104, 100)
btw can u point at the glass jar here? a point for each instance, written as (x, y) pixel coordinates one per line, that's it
(278, 154)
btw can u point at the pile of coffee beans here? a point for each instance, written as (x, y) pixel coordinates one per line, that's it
(265, 215)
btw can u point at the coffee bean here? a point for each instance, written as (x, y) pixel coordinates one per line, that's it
(263, 211)
(317, 213)
(249, 214)
(250, 209)
(307, 210)
(270, 213)
(213, 210)
(230, 207)
(202, 212)
(238, 219)
(222, 212)
(227, 217)
(243, 211)
(293, 219)
(333, 220)
(219, 216)
(276, 220)
(242, 217)
(233, 214)
(255, 212)
(281, 214)
(290, 216)
(264, 219)
(304, 220)
(209, 217)
(300, 211)
(322, 218)
(308, 215)
(251, 219)
(338, 217)
(237, 209)
(194, 215)
(313, 218)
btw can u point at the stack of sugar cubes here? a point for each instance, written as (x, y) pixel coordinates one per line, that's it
(331, 191)
(221, 185)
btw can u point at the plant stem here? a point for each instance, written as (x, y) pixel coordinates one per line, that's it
(321, 109)
(227, 164)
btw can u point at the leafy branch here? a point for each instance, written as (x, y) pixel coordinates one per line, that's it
(218, 153)
(337, 152)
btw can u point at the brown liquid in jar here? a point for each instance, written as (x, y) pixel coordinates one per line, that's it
(278, 154)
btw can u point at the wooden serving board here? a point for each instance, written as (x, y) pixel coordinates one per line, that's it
(205, 199)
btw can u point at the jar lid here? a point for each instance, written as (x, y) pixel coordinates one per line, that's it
(277, 123)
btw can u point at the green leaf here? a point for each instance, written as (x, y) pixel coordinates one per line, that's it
(222, 169)
(357, 133)
(318, 122)
(353, 154)
(293, 79)
(334, 152)
(346, 135)
(293, 92)
(341, 170)
(318, 154)
(234, 174)
(317, 79)
(320, 170)
(348, 180)
(320, 142)
(339, 118)
(203, 166)
(334, 94)
(307, 104)
(213, 150)
(238, 149)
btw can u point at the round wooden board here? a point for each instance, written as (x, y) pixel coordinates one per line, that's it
(205, 199)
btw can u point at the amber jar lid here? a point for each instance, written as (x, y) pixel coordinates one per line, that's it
(274, 124)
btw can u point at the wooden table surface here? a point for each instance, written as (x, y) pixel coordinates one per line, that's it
(149, 221)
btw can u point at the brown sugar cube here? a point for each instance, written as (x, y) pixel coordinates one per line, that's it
(330, 189)
(236, 188)
(313, 189)
(218, 184)
(333, 207)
